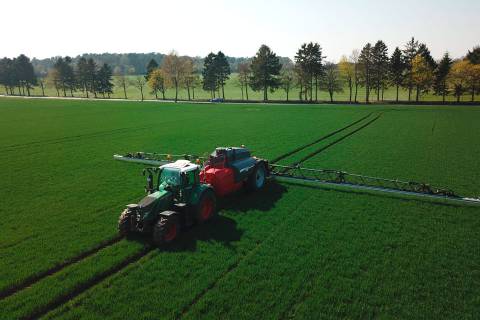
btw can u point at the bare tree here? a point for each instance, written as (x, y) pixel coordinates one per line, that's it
(140, 84)
(354, 57)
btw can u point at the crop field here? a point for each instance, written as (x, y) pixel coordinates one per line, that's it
(291, 250)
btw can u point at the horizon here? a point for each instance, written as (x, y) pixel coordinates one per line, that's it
(147, 29)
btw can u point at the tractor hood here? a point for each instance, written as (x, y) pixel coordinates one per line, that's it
(154, 203)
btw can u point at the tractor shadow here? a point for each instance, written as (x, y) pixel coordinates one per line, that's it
(223, 228)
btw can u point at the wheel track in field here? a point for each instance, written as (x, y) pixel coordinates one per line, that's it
(82, 287)
(57, 268)
(298, 149)
(236, 264)
(331, 144)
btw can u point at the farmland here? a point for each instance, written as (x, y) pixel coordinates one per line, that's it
(289, 251)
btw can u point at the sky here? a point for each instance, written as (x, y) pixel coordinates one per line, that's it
(49, 28)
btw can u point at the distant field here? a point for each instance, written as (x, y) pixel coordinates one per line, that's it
(232, 91)
(290, 251)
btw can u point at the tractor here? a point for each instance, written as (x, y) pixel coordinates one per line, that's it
(185, 193)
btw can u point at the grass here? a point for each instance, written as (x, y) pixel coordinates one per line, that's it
(290, 251)
(232, 91)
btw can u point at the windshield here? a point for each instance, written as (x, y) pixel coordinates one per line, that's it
(170, 177)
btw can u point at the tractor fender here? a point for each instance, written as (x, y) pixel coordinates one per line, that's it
(198, 191)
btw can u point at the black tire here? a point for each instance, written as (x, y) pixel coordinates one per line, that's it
(206, 208)
(124, 223)
(166, 229)
(257, 179)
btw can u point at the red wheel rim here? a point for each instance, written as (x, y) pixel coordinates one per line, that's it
(207, 208)
(171, 232)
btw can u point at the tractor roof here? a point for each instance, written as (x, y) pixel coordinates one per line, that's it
(181, 165)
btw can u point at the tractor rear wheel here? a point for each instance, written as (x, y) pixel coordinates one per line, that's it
(124, 223)
(166, 229)
(207, 207)
(256, 181)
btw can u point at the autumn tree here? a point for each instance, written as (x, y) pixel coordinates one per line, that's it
(440, 76)
(173, 68)
(188, 75)
(347, 73)
(152, 65)
(458, 78)
(156, 82)
(396, 70)
(265, 68)
(331, 80)
(473, 78)
(422, 75)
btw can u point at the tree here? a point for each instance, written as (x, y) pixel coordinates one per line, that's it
(152, 65)
(173, 70)
(287, 77)
(243, 77)
(24, 73)
(396, 70)
(309, 58)
(347, 72)
(265, 71)
(365, 64)
(196, 82)
(440, 76)
(474, 55)
(139, 83)
(104, 83)
(156, 81)
(91, 73)
(332, 82)
(53, 79)
(354, 57)
(473, 78)
(379, 67)
(209, 75)
(83, 75)
(409, 52)
(189, 75)
(122, 81)
(422, 75)
(8, 76)
(458, 77)
(222, 70)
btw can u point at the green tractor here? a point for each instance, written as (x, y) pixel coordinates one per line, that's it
(176, 199)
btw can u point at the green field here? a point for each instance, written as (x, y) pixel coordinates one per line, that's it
(289, 251)
(232, 91)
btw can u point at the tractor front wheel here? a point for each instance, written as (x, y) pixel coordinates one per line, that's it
(166, 230)
(124, 223)
(207, 207)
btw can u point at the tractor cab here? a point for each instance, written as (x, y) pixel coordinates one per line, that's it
(179, 176)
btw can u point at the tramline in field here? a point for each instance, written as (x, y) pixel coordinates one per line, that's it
(187, 187)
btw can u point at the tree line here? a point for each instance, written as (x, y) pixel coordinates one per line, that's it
(372, 68)
(85, 76)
